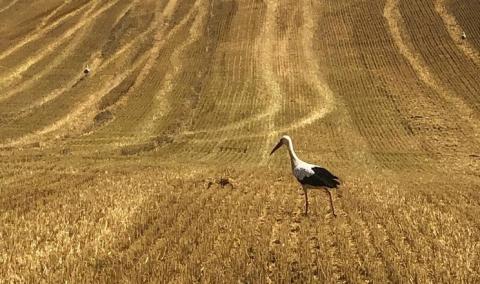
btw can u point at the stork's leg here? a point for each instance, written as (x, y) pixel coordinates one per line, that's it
(306, 201)
(331, 202)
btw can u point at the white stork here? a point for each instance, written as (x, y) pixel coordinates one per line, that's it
(310, 176)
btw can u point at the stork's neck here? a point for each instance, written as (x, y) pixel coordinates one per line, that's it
(293, 157)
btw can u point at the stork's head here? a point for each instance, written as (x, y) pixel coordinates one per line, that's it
(283, 141)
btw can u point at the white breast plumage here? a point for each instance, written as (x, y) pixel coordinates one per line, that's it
(302, 171)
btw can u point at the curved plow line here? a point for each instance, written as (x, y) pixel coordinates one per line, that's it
(170, 8)
(313, 74)
(38, 33)
(93, 99)
(96, 66)
(57, 61)
(231, 126)
(266, 51)
(305, 121)
(314, 78)
(53, 13)
(30, 82)
(233, 73)
(79, 117)
(231, 94)
(46, 19)
(395, 24)
(234, 125)
(274, 87)
(153, 52)
(8, 6)
(454, 30)
(160, 103)
(17, 74)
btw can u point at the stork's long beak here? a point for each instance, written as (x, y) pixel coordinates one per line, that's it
(276, 147)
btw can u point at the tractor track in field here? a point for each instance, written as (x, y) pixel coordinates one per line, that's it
(230, 72)
(402, 41)
(52, 47)
(383, 127)
(41, 31)
(108, 86)
(8, 6)
(153, 52)
(160, 100)
(236, 66)
(94, 61)
(53, 13)
(96, 64)
(313, 75)
(452, 68)
(28, 83)
(236, 94)
(455, 30)
(83, 113)
(266, 53)
(266, 56)
(162, 36)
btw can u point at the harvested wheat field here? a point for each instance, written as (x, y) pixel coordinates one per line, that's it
(135, 139)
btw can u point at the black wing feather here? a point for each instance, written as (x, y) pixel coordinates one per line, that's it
(322, 177)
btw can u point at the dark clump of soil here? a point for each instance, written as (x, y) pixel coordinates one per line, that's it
(103, 117)
(222, 182)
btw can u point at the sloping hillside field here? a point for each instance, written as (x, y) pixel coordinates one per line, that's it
(135, 139)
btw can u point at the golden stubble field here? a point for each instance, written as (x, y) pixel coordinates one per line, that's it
(113, 176)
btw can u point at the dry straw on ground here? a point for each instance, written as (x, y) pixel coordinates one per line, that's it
(119, 176)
